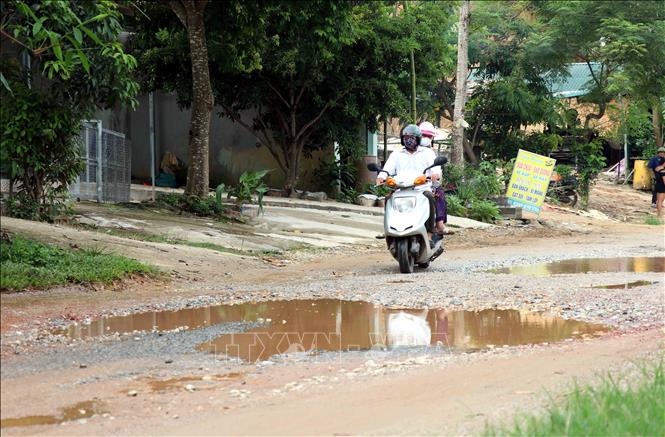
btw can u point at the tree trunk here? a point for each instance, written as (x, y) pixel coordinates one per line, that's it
(291, 180)
(657, 118)
(601, 112)
(457, 155)
(414, 114)
(190, 13)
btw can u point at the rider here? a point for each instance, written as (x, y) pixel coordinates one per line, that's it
(414, 158)
(428, 132)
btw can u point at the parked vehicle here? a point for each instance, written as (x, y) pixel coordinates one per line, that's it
(407, 211)
(563, 189)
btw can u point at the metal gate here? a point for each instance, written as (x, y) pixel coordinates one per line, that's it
(107, 173)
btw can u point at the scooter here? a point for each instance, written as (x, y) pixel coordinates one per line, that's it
(407, 211)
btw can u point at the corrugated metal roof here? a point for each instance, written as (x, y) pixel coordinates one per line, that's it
(576, 82)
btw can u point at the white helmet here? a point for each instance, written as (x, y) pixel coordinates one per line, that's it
(428, 132)
(427, 129)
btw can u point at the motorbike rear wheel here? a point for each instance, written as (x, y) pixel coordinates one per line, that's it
(404, 256)
(568, 198)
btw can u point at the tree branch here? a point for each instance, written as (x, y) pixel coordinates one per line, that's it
(593, 75)
(300, 93)
(276, 91)
(179, 10)
(327, 106)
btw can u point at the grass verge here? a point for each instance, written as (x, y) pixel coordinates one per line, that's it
(611, 408)
(652, 220)
(26, 263)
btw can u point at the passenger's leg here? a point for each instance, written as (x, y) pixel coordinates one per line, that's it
(441, 210)
(432, 213)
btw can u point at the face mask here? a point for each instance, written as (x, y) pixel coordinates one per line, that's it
(410, 142)
(426, 142)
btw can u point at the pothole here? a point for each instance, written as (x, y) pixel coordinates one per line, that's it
(297, 326)
(81, 410)
(640, 264)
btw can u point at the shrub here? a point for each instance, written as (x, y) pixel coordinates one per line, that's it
(455, 206)
(41, 144)
(472, 187)
(377, 190)
(206, 207)
(484, 211)
(250, 184)
(590, 161)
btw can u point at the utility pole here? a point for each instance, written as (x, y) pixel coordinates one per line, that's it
(414, 114)
(385, 139)
(457, 155)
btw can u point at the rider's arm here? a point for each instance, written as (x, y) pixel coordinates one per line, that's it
(390, 167)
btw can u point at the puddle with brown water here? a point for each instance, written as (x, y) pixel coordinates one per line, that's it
(641, 264)
(626, 285)
(78, 411)
(336, 325)
(163, 385)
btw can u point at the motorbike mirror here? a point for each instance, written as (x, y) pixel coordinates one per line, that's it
(440, 160)
(373, 166)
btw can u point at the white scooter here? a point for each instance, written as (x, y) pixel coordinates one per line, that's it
(406, 214)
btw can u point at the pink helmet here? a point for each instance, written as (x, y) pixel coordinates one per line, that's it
(427, 129)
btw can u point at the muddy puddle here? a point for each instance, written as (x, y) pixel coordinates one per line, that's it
(626, 285)
(336, 325)
(640, 264)
(81, 410)
(163, 385)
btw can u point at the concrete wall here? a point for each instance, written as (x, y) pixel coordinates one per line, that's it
(233, 150)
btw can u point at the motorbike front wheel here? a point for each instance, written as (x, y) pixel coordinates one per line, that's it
(404, 256)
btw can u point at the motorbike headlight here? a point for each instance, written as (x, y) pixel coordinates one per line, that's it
(404, 204)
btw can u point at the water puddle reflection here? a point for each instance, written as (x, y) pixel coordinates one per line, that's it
(335, 325)
(640, 264)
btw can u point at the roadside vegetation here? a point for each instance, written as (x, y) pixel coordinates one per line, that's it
(26, 264)
(613, 407)
(651, 220)
(250, 185)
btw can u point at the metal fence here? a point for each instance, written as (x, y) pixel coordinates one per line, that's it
(107, 158)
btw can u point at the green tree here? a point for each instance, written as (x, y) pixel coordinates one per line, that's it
(181, 45)
(625, 38)
(297, 75)
(74, 50)
(513, 92)
(76, 63)
(637, 44)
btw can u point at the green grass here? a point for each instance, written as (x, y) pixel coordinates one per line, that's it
(608, 409)
(651, 220)
(26, 263)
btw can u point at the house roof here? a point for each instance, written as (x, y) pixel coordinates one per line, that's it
(574, 83)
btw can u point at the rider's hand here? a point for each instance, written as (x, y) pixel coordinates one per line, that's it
(380, 181)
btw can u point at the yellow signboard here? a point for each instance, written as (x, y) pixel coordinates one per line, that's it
(529, 181)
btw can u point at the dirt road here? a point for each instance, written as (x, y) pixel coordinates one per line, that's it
(157, 383)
